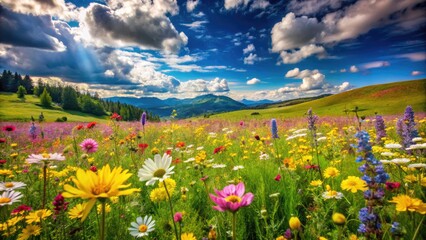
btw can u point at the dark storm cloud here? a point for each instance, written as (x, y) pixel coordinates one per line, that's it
(137, 28)
(28, 31)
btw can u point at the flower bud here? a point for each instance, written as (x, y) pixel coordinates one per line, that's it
(294, 223)
(339, 218)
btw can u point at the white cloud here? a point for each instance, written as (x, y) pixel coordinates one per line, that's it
(312, 6)
(259, 4)
(342, 70)
(293, 33)
(195, 25)
(315, 81)
(376, 64)
(353, 69)
(416, 73)
(231, 4)
(199, 15)
(249, 48)
(251, 58)
(344, 86)
(191, 4)
(415, 57)
(296, 56)
(253, 81)
(109, 73)
(201, 85)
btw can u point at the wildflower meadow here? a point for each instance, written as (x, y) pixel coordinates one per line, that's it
(310, 177)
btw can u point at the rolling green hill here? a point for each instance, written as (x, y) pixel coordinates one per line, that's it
(13, 109)
(390, 98)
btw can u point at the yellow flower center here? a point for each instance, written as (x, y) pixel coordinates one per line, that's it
(101, 188)
(159, 173)
(143, 228)
(46, 155)
(9, 185)
(40, 214)
(233, 198)
(352, 183)
(5, 200)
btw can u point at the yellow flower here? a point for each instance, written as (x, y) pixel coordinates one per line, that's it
(29, 231)
(410, 178)
(331, 172)
(103, 184)
(13, 145)
(99, 208)
(13, 155)
(201, 156)
(77, 211)
(187, 236)
(155, 151)
(322, 238)
(339, 218)
(294, 223)
(405, 202)
(281, 238)
(159, 194)
(6, 172)
(316, 183)
(353, 237)
(37, 216)
(354, 184)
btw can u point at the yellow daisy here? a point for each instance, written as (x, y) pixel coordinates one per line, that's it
(103, 184)
(187, 236)
(331, 172)
(29, 231)
(37, 216)
(353, 184)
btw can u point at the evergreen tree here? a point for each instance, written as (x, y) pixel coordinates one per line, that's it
(45, 99)
(40, 86)
(28, 84)
(21, 92)
(69, 99)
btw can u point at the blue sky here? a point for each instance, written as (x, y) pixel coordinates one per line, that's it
(254, 49)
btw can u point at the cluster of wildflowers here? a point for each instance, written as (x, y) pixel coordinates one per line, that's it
(375, 176)
(406, 127)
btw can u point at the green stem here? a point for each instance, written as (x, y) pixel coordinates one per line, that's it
(102, 226)
(44, 184)
(234, 225)
(418, 228)
(171, 210)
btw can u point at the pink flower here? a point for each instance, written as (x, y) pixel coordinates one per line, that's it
(89, 145)
(177, 217)
(277, 178)
(231, 198)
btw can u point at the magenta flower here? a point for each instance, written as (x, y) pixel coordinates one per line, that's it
(231, 198)
(89, 145)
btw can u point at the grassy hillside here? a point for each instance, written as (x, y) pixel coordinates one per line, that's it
(13, 109)
(391, 98)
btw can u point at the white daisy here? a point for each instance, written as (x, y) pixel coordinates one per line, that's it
(400, 160)
(45, 157)
(321, 139)
(264, 156)
(200, 148)
(385, 161)
(157, 169)
(9, 186)
(393, 146)
(417, 139)
(332, 194)
(142, 227)
(417, 146)
(189, 160)
(9, 198)
(387, 154)
(417, 165)
(300, 131)
(236, 168)
(218, 165)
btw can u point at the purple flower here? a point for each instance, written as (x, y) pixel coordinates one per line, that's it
(380, 128)
(177, 217)
(409, 130)
(274, 128)
(143, 119)
(89, 145)
(33, 131)
(231, 198)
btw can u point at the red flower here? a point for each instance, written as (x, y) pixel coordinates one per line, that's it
(143, 146)
(3, 161)
(176, 161)
(91, 125)
(116, 116)
(392, 185)
(180, 144)
(313, 167)
(169, 152)
(277, 178)
(204, 178)
(219, 149)
(2, 140)
(93, 169)
(79, 127)
(21, 208)
(9, 128)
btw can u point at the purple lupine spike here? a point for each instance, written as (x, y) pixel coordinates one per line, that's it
(380, 128)
(143, 119)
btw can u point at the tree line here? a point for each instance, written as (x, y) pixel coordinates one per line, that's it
(68, 97)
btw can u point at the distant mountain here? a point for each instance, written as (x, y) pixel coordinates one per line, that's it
(256, 103)
(190, 107)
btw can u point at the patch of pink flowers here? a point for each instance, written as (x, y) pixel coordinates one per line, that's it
(231, 198)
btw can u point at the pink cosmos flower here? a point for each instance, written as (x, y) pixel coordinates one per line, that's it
(89, 145)
(231, 198)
